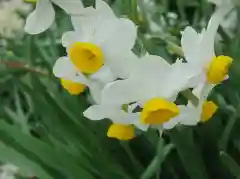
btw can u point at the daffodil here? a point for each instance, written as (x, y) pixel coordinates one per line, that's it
(199, 52)
(43, 15)
(101, 39)
(154, 85)
(191, 115)
(123, 117)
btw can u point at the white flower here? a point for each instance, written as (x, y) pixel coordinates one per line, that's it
(43, 15)
(191, 115)
(154, 84)
(199, 51)
(109, 46)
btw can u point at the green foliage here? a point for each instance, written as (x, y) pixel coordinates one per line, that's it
(43, 131)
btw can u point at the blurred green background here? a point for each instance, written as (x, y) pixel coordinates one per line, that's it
(43, 131)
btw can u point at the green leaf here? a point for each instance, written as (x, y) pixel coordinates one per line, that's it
(8, 154)
(50, 157)
(155, 166)
(232, 166)
(188, 152)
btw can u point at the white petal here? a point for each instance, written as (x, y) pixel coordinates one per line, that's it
(207, 44)
(63, 68)
(121, 64)
(41, 18)
(191, 45)
(85, 24)
(104, 10)
(69, 38)
(96, 88)
(206, 90)
(171, 124)
(119, 36)
(142, 84)
(134, 118)
(70, 6)
(190, 116)
(180, 77)
(103, 75)
(98, 112)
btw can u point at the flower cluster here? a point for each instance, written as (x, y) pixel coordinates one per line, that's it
(134, 92)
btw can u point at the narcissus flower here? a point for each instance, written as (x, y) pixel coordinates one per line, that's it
(43, 15)
(191, 115)
(154, 84)
(91, 45)
(199, 51)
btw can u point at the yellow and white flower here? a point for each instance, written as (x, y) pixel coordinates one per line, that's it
(100, 41)
(153, 84)
(43, 15)
(199, 52)
(191, 115)
(96, 54)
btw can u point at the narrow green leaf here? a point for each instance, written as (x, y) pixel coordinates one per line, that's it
(189, 153)
(51, 157)
(232, 166)
(8, 154)
(155, 166)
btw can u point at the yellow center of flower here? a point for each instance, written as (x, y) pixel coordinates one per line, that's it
(121, 132)
(218, 69)
(158, 111)
(87, 57)
(208, 110)
(73, 88)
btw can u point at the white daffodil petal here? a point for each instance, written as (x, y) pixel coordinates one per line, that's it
(104, 10)
(171, 124)
(98, 112)
(134, 118)
(207, 42)
(191, 45)
(103, 75)
(70, 6)
(144, 82)
(121, 64)
(206, 90)
(96, 88)
(85, 24)
(69, 38)
(119, 36)
(63, 68)
(121, 92)
(41, 18)
(179, 78)
(189, 116)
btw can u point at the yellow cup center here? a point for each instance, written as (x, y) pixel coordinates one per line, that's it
(71, 87)
(218, 69)
(209, 108)
(158, 111)
(87, 57)
(121, 132)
